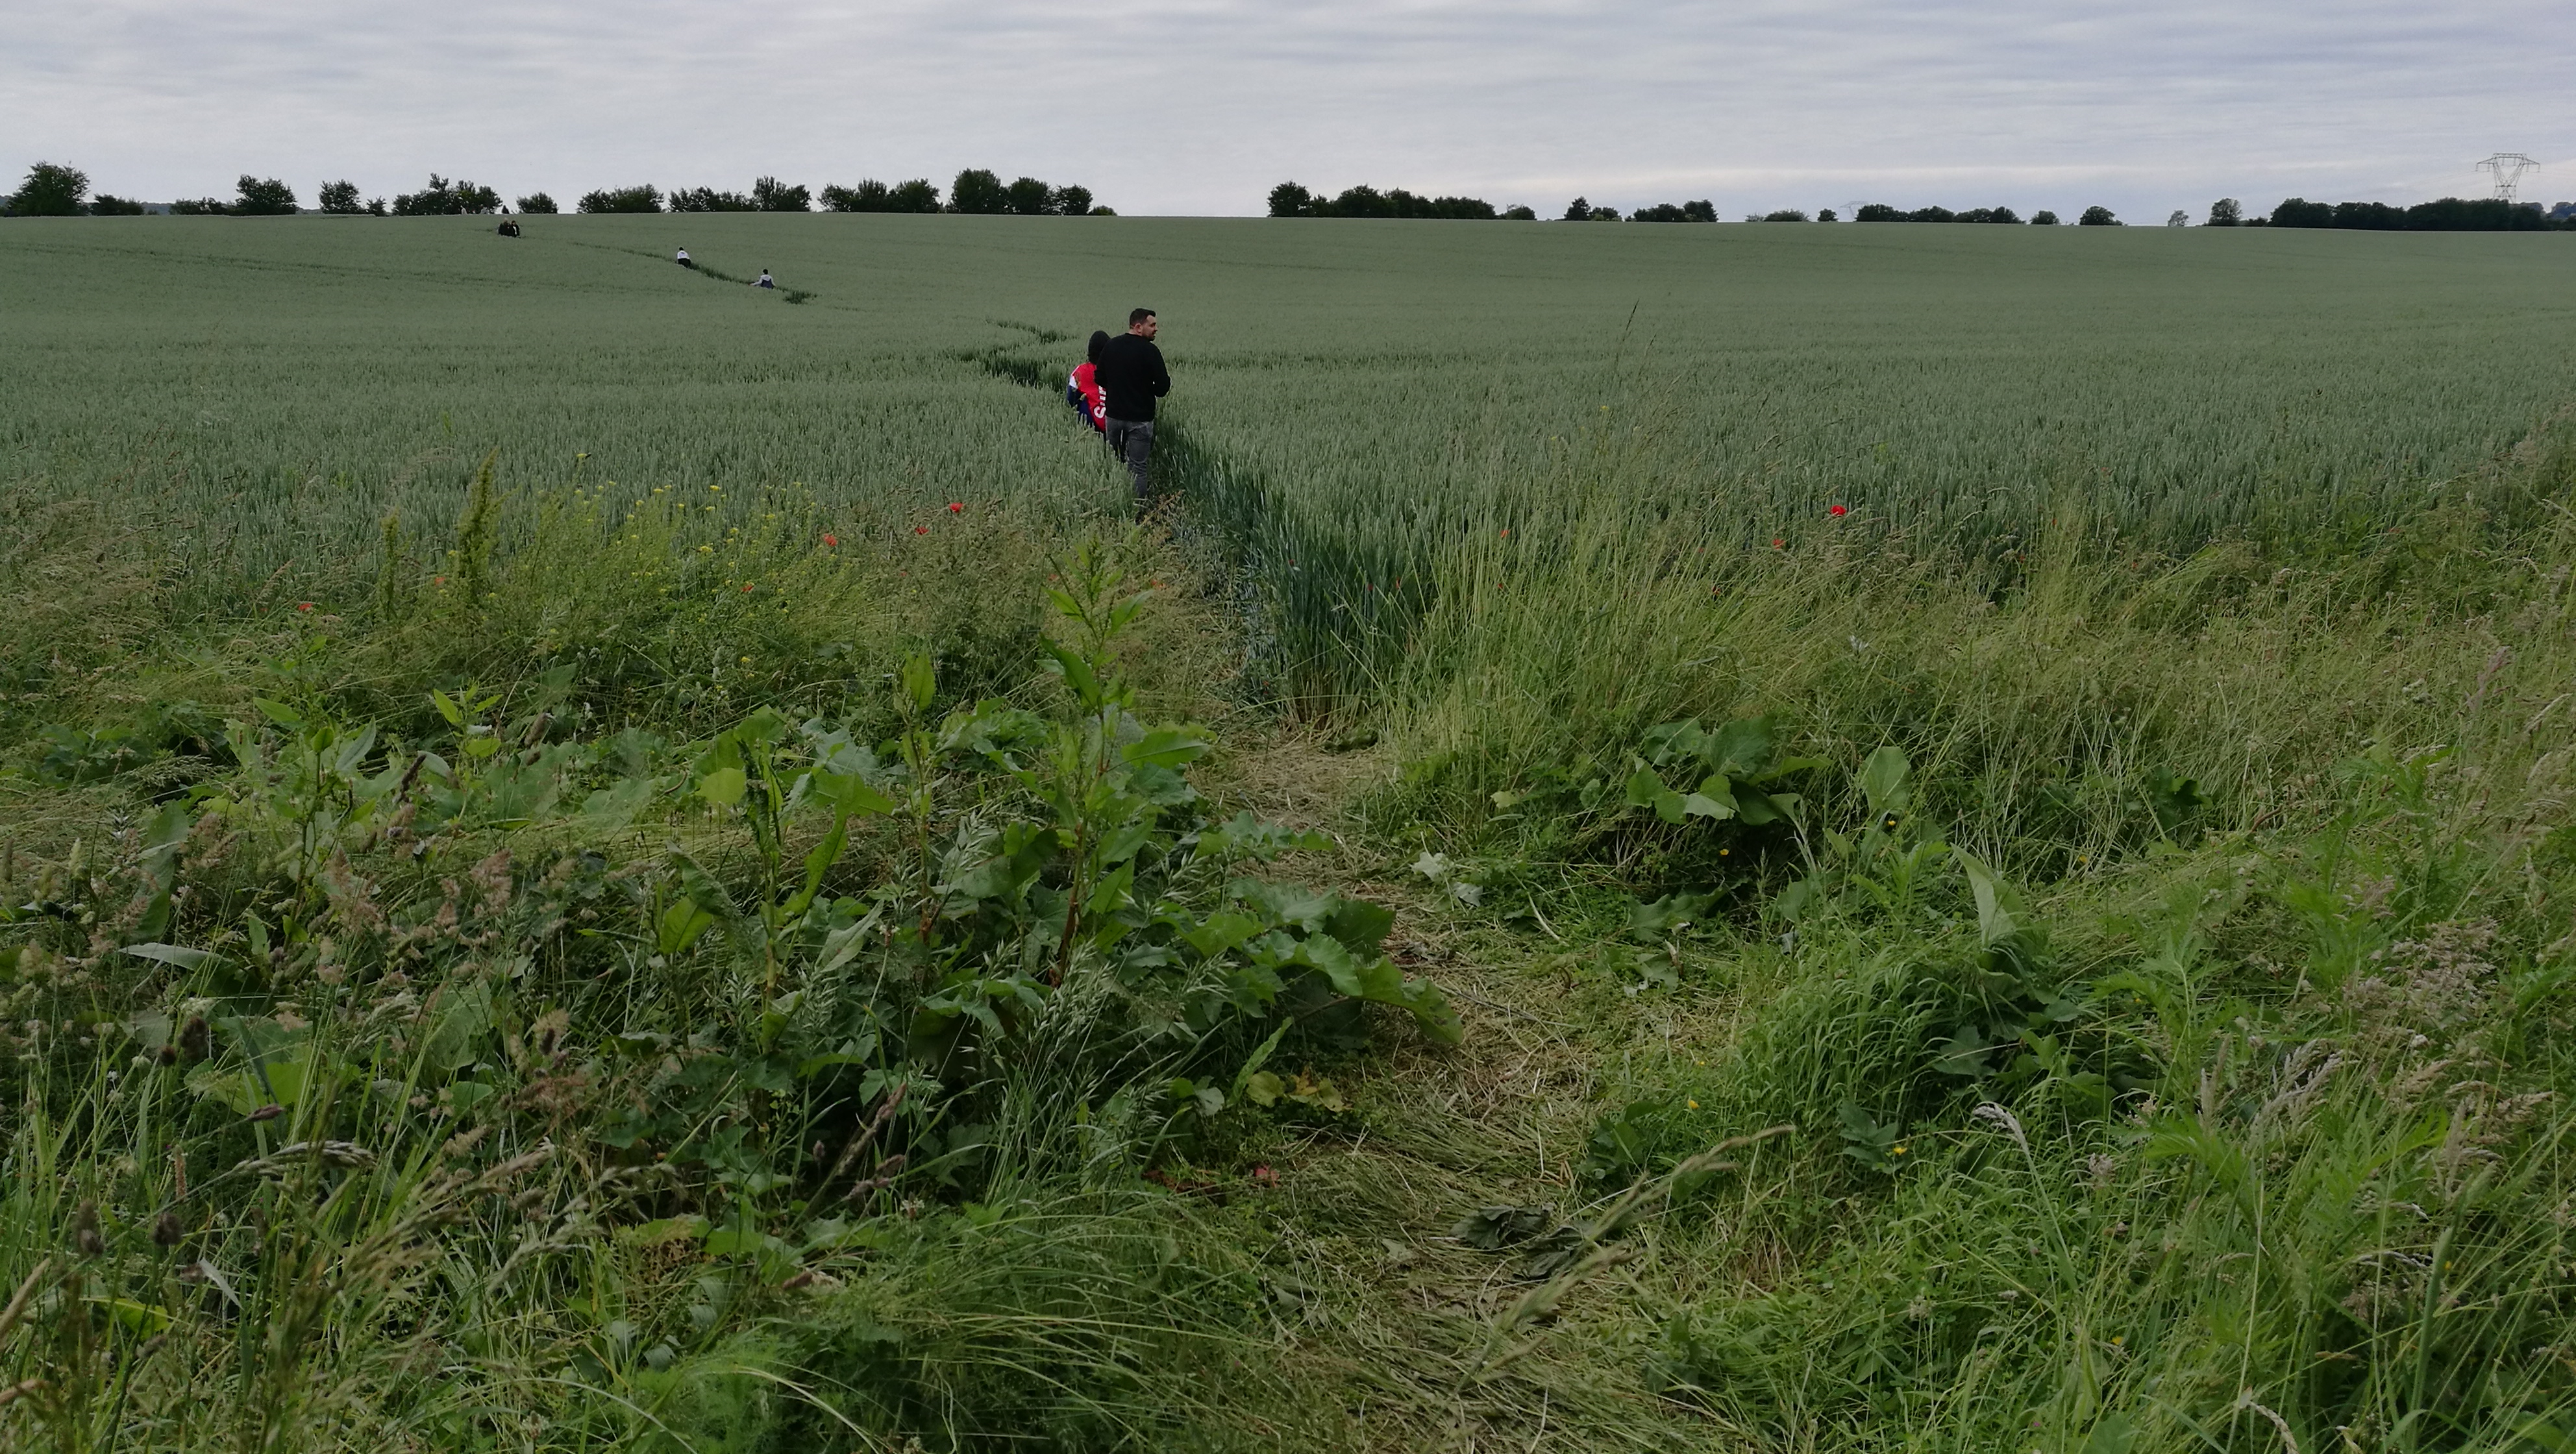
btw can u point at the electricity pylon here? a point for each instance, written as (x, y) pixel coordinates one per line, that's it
(2508, 168)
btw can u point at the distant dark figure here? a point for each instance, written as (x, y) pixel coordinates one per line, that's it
(1082, 389)
(683, 259)
(764, 280)
(1132, 376)
(509, 227)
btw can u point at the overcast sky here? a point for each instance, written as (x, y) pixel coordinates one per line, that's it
(1198, 106)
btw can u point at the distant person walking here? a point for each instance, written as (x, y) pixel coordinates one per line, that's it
(683, 260)
(1132, 376)
(1082, 389)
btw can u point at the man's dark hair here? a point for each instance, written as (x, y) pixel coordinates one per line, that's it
(1099, 341)
(1138, 315)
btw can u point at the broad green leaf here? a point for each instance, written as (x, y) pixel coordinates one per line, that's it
(723, 787)
(174, 955)
(849, 793)
(617, 805)
(1165, 747)
(460, 1013)
(1739, 749)
(920, 682)
(1220, 932)
(1882, 778)
(681, 924)
(1995, 921)
(1360, 925)
(1645, 789)
(278, 712)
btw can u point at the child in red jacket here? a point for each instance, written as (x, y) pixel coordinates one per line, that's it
(1082, 390)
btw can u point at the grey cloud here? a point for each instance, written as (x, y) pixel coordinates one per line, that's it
(1198, 107)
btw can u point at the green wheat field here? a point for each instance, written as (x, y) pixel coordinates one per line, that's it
(1769, 838)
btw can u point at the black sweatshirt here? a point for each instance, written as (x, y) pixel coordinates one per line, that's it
(1131, 373)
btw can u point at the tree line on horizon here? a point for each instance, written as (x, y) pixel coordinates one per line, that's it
(2449, 214)
(54, 190)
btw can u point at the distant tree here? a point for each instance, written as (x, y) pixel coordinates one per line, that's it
(1464, 209)
(1785, 214)
(2178, 218)
(917, 195)
(867, 196)
(2003, 215)
(979, 192)
(2097, 217)
(104, 205)
(2043, 218)
(1604, 214)
(1070, 201)
(1520, 214)
(2482, 214)
(1104, 211)
(340, 199)
(1290, 200)
(2563, 212)
(644, 198)
(1578, 210)
(1673, 212)
(443, 198)
(1702, 210)
(708, 199)
(1362, 201)
(376, 207)
(263, 198)
(1826, 214)
(1027, 197)
(2300, 212)
(50, 191)
(1931, 214)
(1877, 212)
(2226, 212)
(772, 195)
(200, 207)
(2369, 216)
(537, 202)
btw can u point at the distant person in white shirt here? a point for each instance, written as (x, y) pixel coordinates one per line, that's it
(683, 259)
(765, 280)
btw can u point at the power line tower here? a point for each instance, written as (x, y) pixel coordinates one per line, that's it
(2508, 167)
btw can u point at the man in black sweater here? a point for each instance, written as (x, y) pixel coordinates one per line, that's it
(1131, 374)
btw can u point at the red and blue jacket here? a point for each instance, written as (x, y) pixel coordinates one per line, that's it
(1082, 393)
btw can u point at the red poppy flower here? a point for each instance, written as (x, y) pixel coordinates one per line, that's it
(956, 507)
(832, 541)
(746, 590)
(1507, 532)
(1838, 510)
(921, 530)
(1778, 544)
(304, 605)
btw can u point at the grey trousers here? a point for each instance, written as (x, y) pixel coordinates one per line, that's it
(1132, 440)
